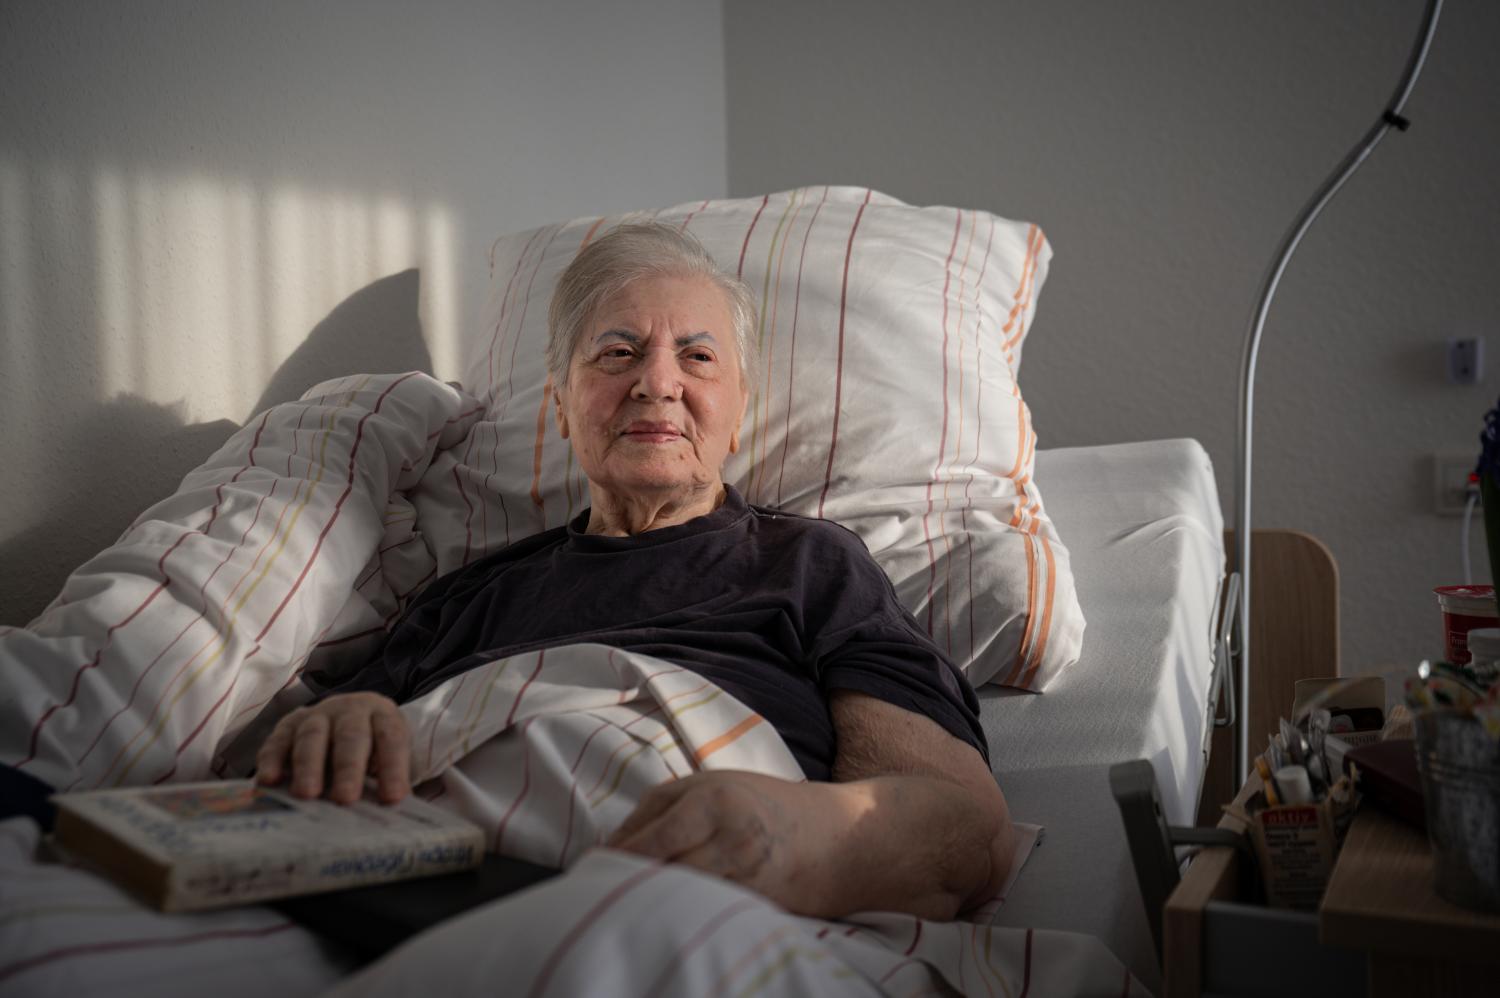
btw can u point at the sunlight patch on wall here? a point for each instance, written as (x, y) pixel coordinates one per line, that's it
(206, 285)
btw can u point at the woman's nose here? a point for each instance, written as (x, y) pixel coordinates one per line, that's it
(658, 377)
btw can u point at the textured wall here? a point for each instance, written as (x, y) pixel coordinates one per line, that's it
(1164, 148)
(208, 207)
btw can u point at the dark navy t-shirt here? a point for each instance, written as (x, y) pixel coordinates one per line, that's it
(777, 609)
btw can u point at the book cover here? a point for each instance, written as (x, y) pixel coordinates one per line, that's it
(207, 845)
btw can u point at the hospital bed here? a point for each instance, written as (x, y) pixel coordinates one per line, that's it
(888, 399)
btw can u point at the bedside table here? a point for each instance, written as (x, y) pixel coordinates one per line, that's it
(1380, 900)
(1380, 930)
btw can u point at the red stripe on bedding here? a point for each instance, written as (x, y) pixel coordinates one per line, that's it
(770, 296)
(203, 597)
(689, 217)
(838, 375)
(296, 439)
(468, 512)
(909, 961)
(250, 458)
(791, 378)
(916, 937)
(433, 728)
(338, 506)
(680, 958)
(450, 421)
(556, 957)
(312, 559)
(497, 339)
(525, 785)
(89, 949)
(942, 447)
(162, 696)
(109, 636)
(510, 375)
(541, 656)
(740, 270)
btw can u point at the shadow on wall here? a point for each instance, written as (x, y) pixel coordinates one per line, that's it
(127, 453)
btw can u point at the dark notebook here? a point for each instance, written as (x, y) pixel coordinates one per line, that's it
(370, 921)
(1388, 778)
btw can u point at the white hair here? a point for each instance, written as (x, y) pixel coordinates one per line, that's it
(624, 255)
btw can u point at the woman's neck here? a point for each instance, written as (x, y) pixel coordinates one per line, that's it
(622, 516)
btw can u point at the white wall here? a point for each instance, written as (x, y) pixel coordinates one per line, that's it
(207, 207)
(1164, 147)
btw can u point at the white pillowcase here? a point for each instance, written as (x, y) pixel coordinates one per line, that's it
(890, 337)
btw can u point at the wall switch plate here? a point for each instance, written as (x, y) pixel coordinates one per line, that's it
(1450, 481)
(1466, 360)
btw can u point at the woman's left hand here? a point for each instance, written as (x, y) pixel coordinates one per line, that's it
(752, 829)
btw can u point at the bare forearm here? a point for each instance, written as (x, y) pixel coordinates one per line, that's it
(909, 843)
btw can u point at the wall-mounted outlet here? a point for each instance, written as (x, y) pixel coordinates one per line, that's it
(1450, 481)
(1466, 360)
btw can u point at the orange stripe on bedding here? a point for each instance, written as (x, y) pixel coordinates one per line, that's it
(1026, 635)
(1046, 625)
(1033, 244)
(1018, 314)
(727, 738)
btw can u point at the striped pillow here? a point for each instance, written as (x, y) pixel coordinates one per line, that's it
(890, 338)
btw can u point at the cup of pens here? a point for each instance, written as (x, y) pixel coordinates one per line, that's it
(1298, 816)
(1457, 714)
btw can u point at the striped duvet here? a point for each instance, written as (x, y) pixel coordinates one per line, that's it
(294, 546)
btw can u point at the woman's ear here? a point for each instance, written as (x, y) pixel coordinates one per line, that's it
(734, 438)
(557, 410)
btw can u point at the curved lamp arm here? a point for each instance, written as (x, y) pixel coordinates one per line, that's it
(1390, 118)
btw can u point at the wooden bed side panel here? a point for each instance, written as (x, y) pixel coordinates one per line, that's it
(1294, 634)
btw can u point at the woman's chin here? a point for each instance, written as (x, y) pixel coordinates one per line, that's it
(653, 482)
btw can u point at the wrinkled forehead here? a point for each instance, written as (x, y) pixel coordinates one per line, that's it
(691, 307)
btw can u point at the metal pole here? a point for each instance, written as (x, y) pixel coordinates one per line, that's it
(1390, 118)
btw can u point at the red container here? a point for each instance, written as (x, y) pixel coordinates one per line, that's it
(1464, 609)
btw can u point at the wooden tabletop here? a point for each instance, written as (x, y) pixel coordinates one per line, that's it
(1381, 898)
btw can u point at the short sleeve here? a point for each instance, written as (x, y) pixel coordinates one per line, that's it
(870, 644)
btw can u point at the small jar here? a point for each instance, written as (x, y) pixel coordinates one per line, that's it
(1484, 651)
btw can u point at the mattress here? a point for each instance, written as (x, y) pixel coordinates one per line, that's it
(1145, 533)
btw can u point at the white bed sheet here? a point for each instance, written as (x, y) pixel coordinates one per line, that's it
(1145, 532)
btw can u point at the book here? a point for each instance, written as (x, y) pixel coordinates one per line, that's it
(209, 845)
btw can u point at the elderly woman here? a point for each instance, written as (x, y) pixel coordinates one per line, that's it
(652, 356)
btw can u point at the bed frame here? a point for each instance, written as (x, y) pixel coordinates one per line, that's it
(1294, 629)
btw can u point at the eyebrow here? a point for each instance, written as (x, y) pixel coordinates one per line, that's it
(682, 341)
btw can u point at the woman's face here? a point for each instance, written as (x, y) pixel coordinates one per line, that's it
(654, 396)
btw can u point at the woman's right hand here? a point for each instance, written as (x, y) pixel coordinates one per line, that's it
(338, 742)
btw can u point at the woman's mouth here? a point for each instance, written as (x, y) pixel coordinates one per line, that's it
(645, 432)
